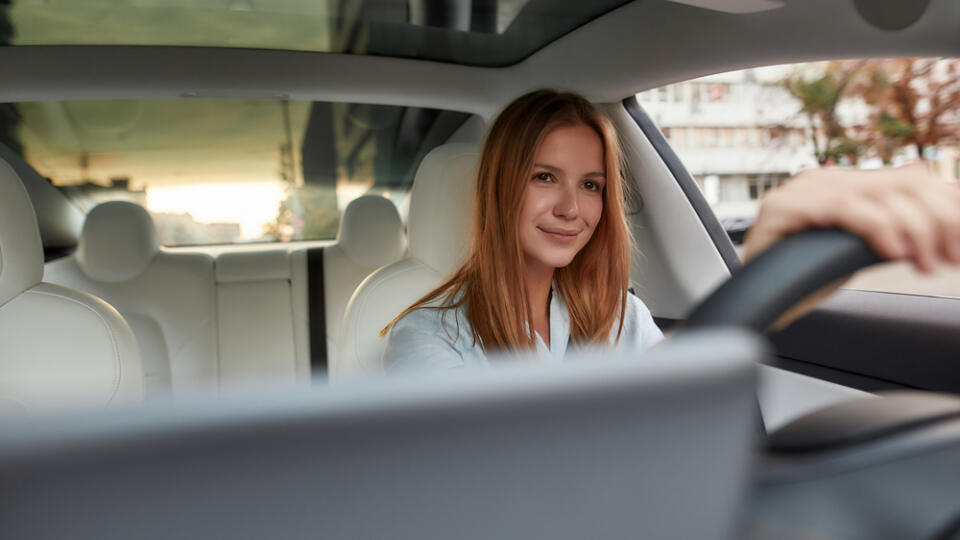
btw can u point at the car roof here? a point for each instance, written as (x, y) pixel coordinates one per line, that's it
(640, 45)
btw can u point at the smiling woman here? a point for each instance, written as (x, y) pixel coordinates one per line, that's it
(550, 258)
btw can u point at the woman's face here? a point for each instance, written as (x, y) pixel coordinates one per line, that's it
(563, 200)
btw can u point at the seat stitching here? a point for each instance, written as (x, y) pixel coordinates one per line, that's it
(113, 339)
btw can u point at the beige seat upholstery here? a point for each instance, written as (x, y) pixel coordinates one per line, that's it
(169, 299)
(58, 347)
(441, 213)
(60, 220)
(371, 235)
(256, 310)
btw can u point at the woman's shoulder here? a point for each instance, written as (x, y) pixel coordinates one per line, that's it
(420, 317)
(446, 321)
(427, 338)
(636, 307)
(639, 328)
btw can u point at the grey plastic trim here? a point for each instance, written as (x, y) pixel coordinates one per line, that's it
(685, 181)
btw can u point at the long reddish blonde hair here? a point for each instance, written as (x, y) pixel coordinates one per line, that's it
(490, 285)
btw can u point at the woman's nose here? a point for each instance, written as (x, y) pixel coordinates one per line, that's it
(567, 205)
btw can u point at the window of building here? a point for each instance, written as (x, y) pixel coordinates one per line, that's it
(711, 137)
(678, 92)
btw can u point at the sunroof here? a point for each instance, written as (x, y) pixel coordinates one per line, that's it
(470, 32)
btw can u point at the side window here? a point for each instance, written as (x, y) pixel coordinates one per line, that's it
(222, 171)
(743, 133)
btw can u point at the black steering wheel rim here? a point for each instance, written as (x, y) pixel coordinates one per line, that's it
(759, 292)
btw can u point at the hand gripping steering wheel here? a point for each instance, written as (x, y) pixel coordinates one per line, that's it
(759, 292)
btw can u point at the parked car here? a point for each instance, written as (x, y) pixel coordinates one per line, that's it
(737, 228)
(347, 99)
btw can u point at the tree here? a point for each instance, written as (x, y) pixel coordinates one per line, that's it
(307, 213)
(916, 102)
(819, 98)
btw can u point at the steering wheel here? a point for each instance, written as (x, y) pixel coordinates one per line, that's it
(765, 288)
(759, 292)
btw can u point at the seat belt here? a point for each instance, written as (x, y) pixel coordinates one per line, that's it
(317, 311)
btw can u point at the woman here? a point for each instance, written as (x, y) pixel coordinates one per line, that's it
(550, 257)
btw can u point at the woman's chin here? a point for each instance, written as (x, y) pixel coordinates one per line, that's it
(560, 261)
(552, 259)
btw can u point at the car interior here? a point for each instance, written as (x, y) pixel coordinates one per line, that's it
(154, 391)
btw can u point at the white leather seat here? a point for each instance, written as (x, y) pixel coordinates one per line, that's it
(256, 310)
(169, 299)
(262, 296)
(371, 235)
(59, 219)
(440, 221)
(58, 347)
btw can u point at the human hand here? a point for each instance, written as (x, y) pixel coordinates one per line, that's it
(902, 213)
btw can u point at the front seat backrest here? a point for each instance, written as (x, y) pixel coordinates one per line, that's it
(169, 299)
(58, 347)
(440, 222)
(371, 235)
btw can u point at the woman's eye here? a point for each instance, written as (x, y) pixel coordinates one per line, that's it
(543, 176)
(591, 185)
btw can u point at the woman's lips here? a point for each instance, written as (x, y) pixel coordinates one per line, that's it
(560, 235)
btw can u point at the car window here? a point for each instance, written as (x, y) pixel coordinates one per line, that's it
(216, 171)
(742, 133)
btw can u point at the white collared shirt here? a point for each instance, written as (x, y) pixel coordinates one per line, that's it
(442, 339)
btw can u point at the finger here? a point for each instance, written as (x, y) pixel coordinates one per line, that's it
(871, 221)
(954, 196)
(914, 224)
(940, 201)
(943, 205)
(784, 211)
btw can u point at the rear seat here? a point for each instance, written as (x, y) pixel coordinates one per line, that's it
(167, 298)
(264, 325)
(371, 235)
(256, 327)
(237, 320)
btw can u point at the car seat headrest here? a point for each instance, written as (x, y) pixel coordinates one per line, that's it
(59, 219)
(371, 232)
(442, 207)
(117, 243)
(21, 252)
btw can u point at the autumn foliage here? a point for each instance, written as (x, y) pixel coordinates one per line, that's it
(911, 102)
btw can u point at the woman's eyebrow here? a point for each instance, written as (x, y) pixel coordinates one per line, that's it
(550, 168)
(553, 169)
